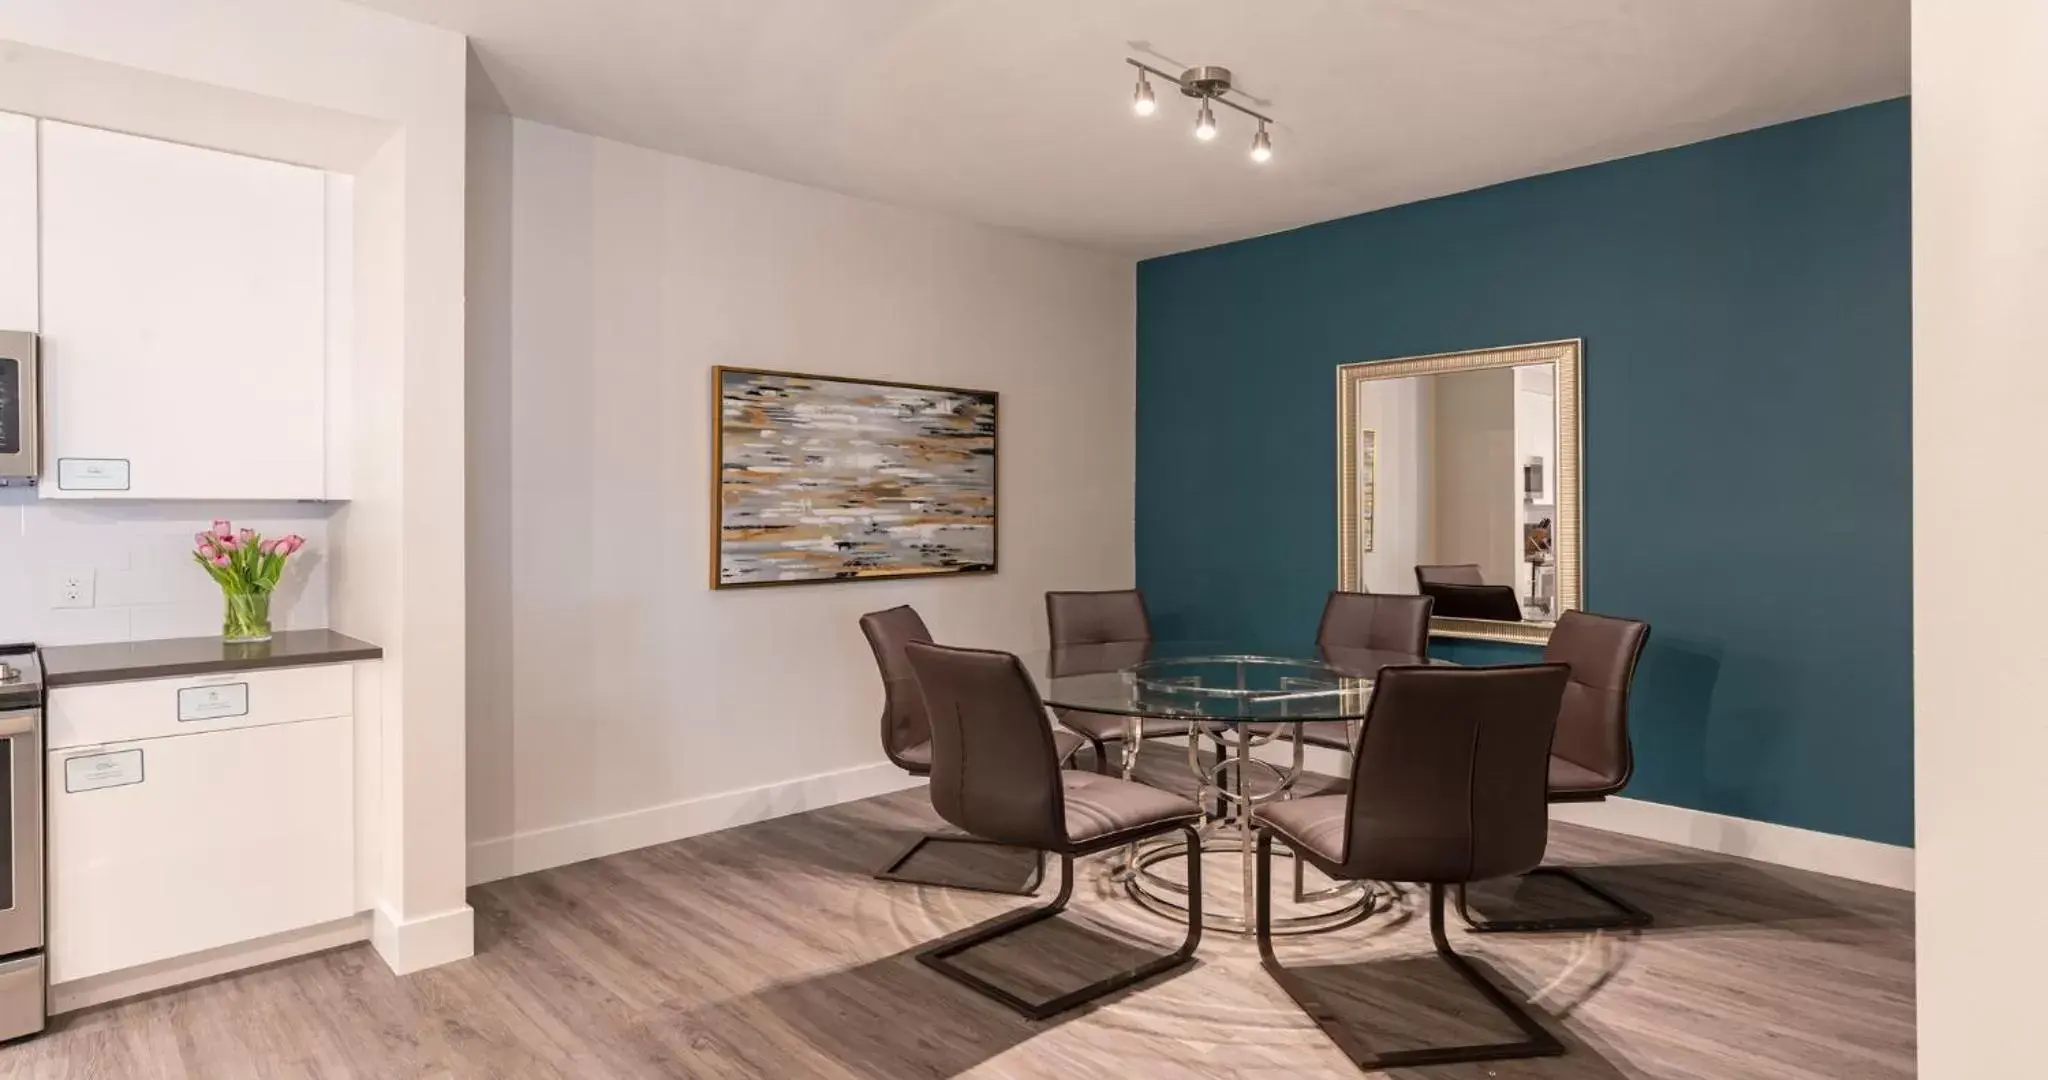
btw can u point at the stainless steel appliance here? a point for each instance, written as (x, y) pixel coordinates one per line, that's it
(22, 976)
(20, 410)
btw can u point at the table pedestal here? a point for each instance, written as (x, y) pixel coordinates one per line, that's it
(1302, 910)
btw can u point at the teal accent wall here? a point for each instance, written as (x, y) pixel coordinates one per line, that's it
(1745, 307)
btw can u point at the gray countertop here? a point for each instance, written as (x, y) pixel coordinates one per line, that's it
(80, 665)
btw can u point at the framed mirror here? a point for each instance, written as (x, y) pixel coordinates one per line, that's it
(1458, 477)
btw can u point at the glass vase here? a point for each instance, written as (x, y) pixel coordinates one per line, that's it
(248, 617)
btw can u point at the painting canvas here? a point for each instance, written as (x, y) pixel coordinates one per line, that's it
(831, 479)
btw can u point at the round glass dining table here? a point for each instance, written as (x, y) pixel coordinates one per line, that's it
(1237, 711)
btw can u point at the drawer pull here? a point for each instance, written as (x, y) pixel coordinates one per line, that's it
(97, 772)
(213, 702)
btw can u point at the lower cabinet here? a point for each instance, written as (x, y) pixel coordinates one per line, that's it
(163, 847)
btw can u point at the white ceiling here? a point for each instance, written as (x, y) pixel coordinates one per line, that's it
(1018, 113)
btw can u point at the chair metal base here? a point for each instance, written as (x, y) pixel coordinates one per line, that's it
(894, 871)
(1537, 1041)
(939, 957)
(1624, 916)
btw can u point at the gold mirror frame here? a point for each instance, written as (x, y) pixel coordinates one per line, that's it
(1569, 524)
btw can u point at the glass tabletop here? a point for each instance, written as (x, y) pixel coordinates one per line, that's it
(1210, 680)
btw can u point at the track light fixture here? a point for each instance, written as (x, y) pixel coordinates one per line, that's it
(1208, 85)
(1141, 99)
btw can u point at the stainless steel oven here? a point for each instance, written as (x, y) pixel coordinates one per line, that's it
(20, 412)
(22, 977)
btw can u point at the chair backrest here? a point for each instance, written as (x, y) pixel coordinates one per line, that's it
(1376, 622)
(995, 772)
(1450, 776)
(904, 724)
(1464, 573)
(1474, 601)
(1592, 728)
(1097, 631)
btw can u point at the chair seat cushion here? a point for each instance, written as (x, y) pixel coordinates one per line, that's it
(1064, 743)
(1335, 734)
(917, 757)
(1110, 728)
(1569, 779)
(1313, 827)
(1101, 806)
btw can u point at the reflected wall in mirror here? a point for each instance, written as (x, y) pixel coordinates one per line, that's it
(1458, 477)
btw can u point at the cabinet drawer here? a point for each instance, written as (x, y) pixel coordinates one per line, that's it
(221, 701)
(198, 841)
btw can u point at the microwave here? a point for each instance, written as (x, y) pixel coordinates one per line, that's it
(19, 407)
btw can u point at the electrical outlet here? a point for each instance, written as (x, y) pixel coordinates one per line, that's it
(71, 589)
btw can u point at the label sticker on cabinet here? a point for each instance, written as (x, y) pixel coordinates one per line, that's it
(96, 772)
(92, 474)
(213, 702)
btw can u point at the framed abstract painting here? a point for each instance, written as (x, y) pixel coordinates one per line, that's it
(821, 478)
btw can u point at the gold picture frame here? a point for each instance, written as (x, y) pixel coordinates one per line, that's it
(949, 433)
(1355, 491)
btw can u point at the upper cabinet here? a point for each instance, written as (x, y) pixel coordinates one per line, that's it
(17, 222)
(186, 297)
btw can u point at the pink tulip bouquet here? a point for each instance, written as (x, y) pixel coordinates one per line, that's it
(246, 567)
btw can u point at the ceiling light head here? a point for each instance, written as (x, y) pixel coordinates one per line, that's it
(1205, 122)
(1262, 145)
(1141, 99)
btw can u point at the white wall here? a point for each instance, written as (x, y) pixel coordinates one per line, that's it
(618, 701)
(1980, 271)
(326, 83)
(1400, 413)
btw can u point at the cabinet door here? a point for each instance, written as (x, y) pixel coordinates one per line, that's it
(165, 847)
(17, 222)
(183, 310)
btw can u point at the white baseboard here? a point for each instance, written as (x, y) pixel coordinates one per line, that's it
(409, 945)
(541, 849)
(148, 978)
(1842, 856)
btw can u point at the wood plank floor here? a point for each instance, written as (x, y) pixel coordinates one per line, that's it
(767, 952)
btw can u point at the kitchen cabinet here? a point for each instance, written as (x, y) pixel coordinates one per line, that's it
(186, 296)
(17, 222)
(191, 813)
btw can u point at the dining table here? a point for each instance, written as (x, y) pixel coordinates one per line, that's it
(1241, 711)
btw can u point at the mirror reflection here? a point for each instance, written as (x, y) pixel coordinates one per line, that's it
(1458, 486)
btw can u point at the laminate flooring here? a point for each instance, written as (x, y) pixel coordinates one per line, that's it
(766, 951)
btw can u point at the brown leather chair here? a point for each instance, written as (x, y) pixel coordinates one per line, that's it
(1449, 574)
(996, 774)
(907, 739)
(1362, 633)
(1496, 602)
(1447, 786)
(1591, 758)
(1102, 631)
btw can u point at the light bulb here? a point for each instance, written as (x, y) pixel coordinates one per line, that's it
(1205, 123)
(1141, 99)
(1262, 146)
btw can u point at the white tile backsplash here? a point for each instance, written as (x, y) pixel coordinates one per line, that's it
(144, 582)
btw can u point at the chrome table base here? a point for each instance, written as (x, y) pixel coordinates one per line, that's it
(1235, 830)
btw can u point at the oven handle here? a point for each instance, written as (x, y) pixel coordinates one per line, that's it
(17, 723)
